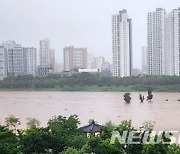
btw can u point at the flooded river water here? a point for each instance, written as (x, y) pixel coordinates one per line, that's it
(101, 106)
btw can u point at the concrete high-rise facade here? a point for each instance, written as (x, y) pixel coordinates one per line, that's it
(122, 44)
(90, 59)
(3, 73)
(172, 43)
(30, 60)
(13, 59)
(163, 42)
(74, 58)
(52, 58)
(97, 63)
(144, 60)
(46, 54)
(155, 42)
(44, 51)
(16, 60)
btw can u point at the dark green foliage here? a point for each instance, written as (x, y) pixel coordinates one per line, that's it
(175, 149)
(92, 82)
(99, 146)
(59, 123)
(62, 135)
(8, 141)
(35, 141)
(64, 132)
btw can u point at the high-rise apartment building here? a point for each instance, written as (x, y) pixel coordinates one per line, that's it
(16, 60)
(30, 60)
(122, 44)
(164, 42)
(90, 60)
(13, 58)
(47, 55)
(74, 58)
(155, 42)
(3, 73)
(52, 58)
(144, 60)
(97, 62)
(172, 43)
(44, 51)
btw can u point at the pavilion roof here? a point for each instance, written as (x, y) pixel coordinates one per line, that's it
(92, 128)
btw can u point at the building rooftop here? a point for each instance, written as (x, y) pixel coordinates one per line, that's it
(92, 128)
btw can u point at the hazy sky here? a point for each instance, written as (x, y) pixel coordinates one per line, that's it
(81, 23)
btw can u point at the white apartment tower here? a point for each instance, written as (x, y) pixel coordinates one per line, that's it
(164, 42)
(172, 43)
(122, 44)
(16, 60)
(30, 60)
(3, 73)
(47, 55)
(155, 42)
(13, 59)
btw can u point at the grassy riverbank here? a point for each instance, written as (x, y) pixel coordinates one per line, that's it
(133, 88)
(101, 89)
(91, 83)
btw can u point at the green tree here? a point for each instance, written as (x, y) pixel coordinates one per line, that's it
(35, 141)
(107, 130)
(63, 131)
(71, 150)
(77, 141)
(32, 123)
(12, 122)
(8, 141)
(173, 149)
(103, 146)
(155, 149)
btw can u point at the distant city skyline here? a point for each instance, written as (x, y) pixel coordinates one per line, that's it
(79, 23)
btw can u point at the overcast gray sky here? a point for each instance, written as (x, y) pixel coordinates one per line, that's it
(82, 23)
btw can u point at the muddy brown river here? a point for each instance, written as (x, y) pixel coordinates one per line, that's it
(101, 106)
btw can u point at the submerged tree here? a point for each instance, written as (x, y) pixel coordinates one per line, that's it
(127, 97)
(150, 95)
(141, 98)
